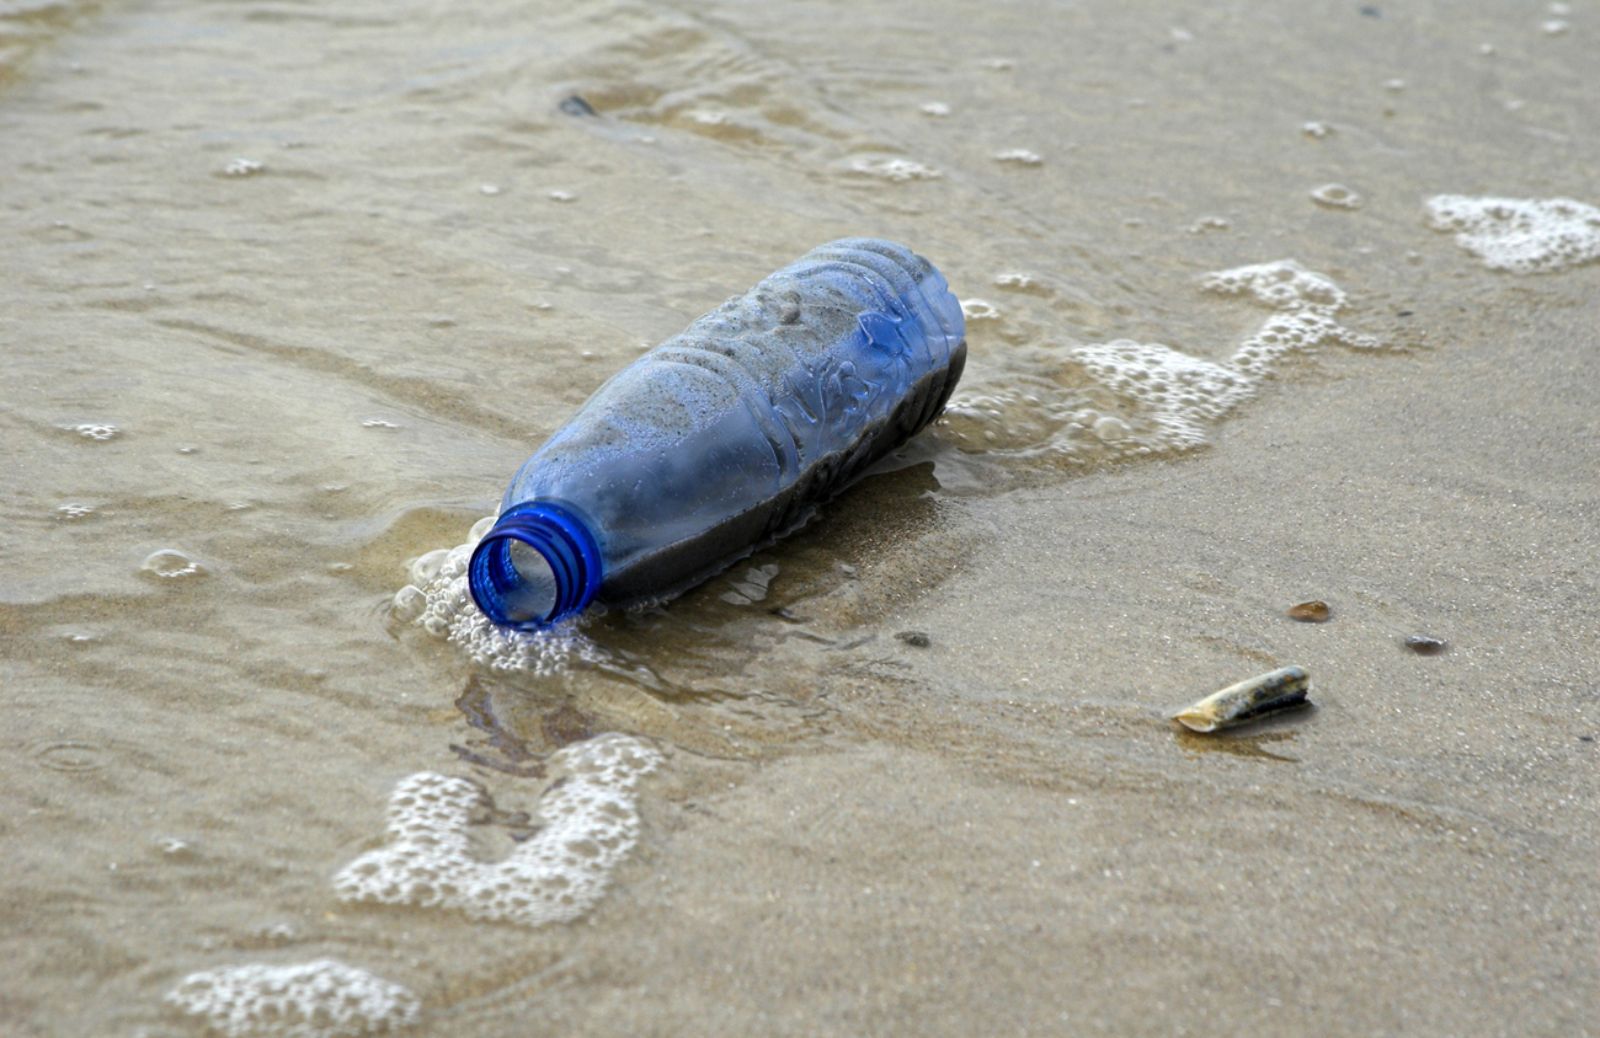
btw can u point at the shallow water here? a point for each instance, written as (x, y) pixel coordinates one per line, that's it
(290, 291)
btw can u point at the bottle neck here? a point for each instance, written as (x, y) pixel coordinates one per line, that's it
(537, 564)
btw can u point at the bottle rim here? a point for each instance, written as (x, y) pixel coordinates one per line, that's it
(566, 546)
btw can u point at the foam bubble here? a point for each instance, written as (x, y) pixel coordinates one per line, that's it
(1306, 302)
(97, 431)
(979, 310)
(171, 564)
(1335, 196)
(1520, 235)
(1178, 395)
(937, 109)
(242, 167)
(75, 511)
(438, 600)
(320, 999)
(1316, 129)
(1124, 398)
(591, 822)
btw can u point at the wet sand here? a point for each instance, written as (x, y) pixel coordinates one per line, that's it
(319, 370)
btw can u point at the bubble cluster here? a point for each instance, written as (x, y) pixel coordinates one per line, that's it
(591, 821)
(1126, 398)
(75, 511)
(1178, 394)
(378, 423)
(1306, 302)
(937, 109)
(1520, 235)
(97, 431)
(320, 999)
(439, 600)
(242, 167)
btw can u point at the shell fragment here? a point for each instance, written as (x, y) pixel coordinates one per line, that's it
(1247, 701)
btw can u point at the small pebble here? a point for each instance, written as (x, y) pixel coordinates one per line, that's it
(576, 105)
(918, 639)
(1315, 611)
(1424, 645)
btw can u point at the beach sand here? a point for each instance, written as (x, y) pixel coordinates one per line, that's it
(320, 369)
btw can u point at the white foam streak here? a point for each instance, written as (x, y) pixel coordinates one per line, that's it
(439, 601)
(320, 999)
(1520, 235)
(591, 822)
(1180, 395)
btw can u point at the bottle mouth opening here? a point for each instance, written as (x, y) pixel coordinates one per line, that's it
(536, 565)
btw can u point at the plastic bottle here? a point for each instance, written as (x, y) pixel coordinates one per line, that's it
(726, 436)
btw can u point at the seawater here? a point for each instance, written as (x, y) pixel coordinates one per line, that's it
(291, 290)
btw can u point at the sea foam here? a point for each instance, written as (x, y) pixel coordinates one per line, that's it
(1520, 235)
(591, 821)
(320, 999)
(1180, 395)
(439, 600)
(1125, 398)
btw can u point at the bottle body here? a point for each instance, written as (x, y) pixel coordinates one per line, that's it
(727, 435)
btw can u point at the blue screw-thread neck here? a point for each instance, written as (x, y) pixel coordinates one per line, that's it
(509, 596)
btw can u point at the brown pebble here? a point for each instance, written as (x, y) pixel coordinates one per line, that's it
(1423, 645)
(1315, 611)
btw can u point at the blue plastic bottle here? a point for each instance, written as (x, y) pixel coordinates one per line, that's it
(726, 436)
